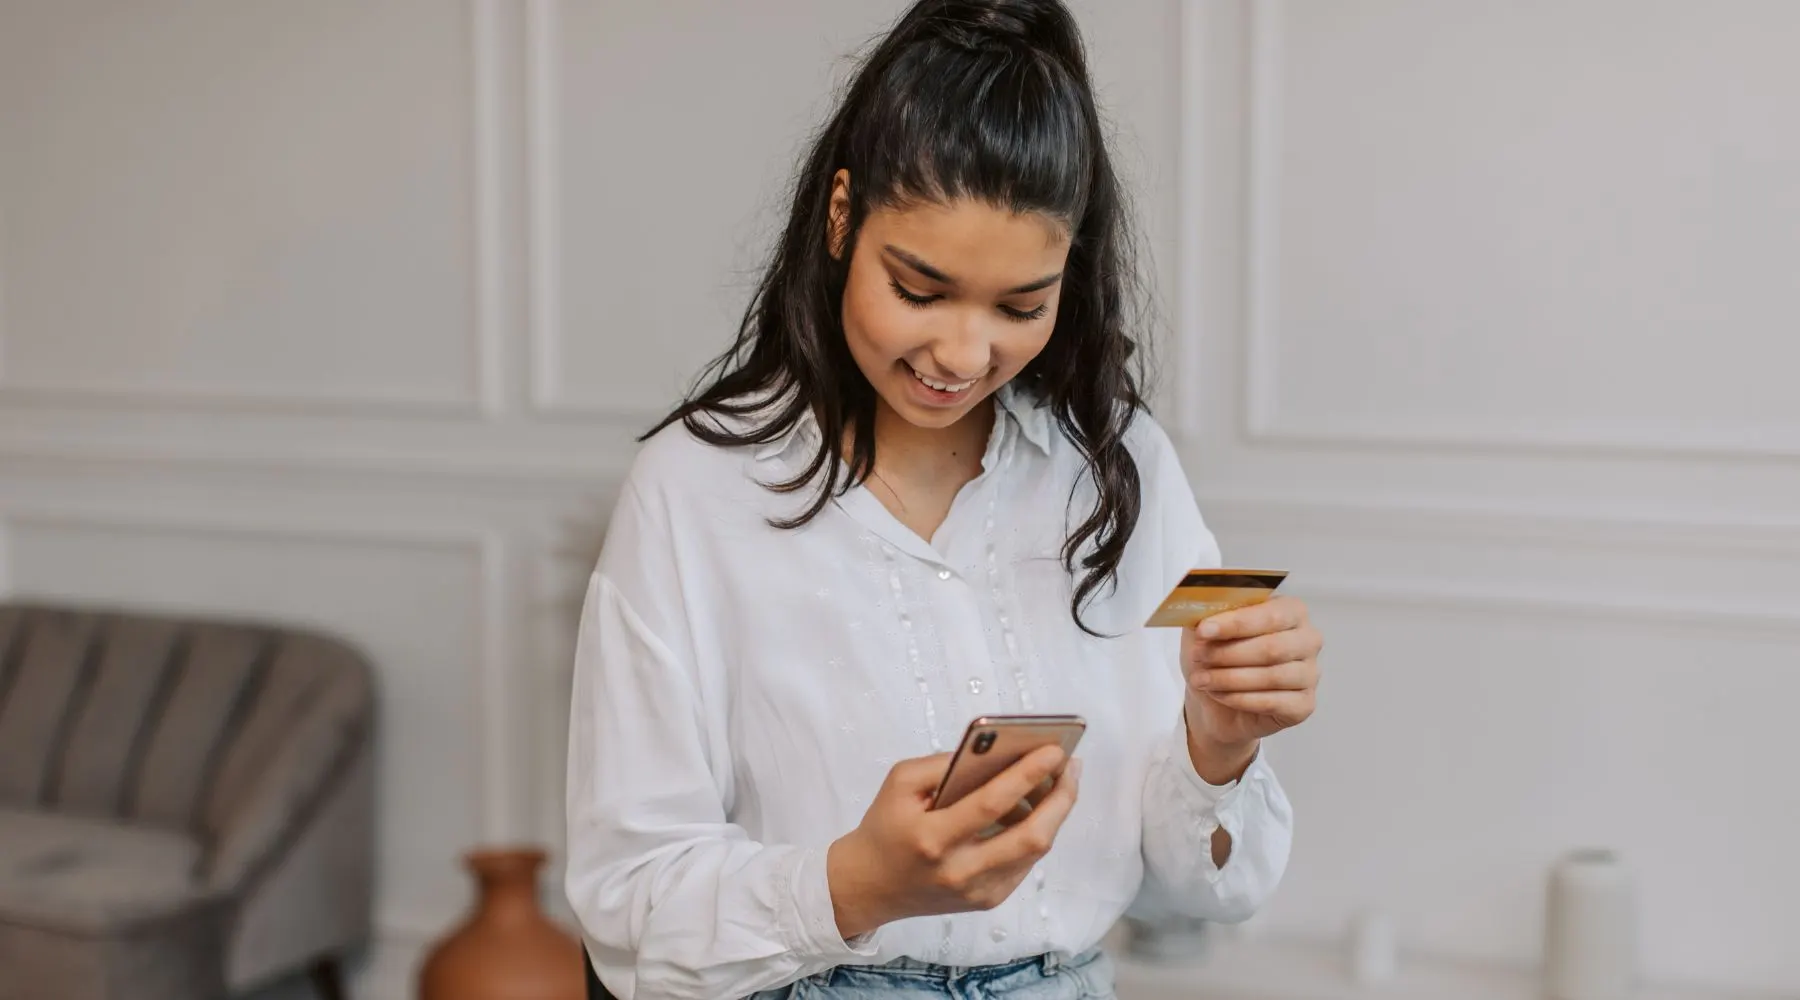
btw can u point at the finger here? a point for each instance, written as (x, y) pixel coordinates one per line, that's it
(1291, 676)
(1273, 615)
(1013, 817)
(991, 802)
(919, 775)
(1289, 706)
(1257, 651)
(1031, 800)
(1032, 836)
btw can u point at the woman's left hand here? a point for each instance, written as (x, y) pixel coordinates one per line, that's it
(1251, 672)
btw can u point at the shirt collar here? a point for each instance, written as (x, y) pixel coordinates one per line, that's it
(1029, 412)
(805, 429)
(1026, 410)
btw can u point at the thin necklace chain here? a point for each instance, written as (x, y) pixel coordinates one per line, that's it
(890, 488)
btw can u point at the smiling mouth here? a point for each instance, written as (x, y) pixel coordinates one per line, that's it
(943, 386)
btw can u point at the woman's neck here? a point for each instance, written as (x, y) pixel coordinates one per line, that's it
(924, 455)
(919, 471)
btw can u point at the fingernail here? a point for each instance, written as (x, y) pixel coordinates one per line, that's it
(1209, 630)
(1075, 768)
(1201, 678)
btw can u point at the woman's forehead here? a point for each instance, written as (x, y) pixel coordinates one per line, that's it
(972, 241)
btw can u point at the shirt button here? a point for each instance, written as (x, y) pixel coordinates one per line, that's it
(998, 934)
(943, 574)
(974, 685)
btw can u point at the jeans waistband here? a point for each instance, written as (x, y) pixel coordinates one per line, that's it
(1048, 963)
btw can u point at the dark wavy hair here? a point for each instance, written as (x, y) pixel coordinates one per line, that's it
(979, 99)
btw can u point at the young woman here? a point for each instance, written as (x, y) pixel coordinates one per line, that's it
(921, 487)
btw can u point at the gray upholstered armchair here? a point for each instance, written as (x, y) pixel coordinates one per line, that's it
(186, 807)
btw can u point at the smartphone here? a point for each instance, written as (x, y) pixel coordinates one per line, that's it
(993, 743)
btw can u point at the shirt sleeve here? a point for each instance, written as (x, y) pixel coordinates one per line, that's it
(1181, 810)
(674, 899)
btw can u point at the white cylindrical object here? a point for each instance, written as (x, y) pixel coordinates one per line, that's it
(1170, 941)
(1372, 948)
(1590, 928)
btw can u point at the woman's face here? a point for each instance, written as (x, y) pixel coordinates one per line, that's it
(945, 303)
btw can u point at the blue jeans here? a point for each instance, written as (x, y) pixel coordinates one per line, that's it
(1088, 976)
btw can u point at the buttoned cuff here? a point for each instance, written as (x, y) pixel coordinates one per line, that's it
(1211, 806)
(811, 924)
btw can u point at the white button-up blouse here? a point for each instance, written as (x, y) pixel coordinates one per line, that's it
(740, 692)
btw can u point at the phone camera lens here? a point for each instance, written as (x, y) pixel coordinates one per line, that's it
(984, 742)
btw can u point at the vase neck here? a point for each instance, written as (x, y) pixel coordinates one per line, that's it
(509, 899)
(508, 885)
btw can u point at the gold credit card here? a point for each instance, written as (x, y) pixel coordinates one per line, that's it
(1206, 592)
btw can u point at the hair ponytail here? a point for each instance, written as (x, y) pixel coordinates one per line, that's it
(982, 99)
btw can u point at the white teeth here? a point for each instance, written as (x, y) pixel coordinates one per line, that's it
(943, 386)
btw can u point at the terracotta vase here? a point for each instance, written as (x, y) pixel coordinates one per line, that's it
(506, 949)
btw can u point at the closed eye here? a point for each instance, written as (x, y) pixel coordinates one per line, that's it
(916, 301)
(1023, 315)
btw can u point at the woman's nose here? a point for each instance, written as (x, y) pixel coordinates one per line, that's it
(964, 353)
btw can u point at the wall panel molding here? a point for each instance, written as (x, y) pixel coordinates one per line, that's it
(487, 40)
(1576, 562)
(549, 396)
(543, 147)
(1487, 600)
(485, 340)
(213, 400)
(1426, 523)
(1264, 420)
(1190, 212)
(367, 447)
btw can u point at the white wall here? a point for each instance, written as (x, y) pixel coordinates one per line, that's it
(347, 313)
(1491, 338)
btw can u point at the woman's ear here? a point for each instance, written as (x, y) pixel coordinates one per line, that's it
(837, 225)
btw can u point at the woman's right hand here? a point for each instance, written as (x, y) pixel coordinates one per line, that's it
(907, 860)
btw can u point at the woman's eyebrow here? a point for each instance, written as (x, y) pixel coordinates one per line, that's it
(1035, 286)
(918, 264)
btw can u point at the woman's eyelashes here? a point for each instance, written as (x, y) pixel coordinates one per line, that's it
(918, 301)
(1026, 315)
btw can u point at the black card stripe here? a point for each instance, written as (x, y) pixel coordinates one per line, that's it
(1258, 581)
